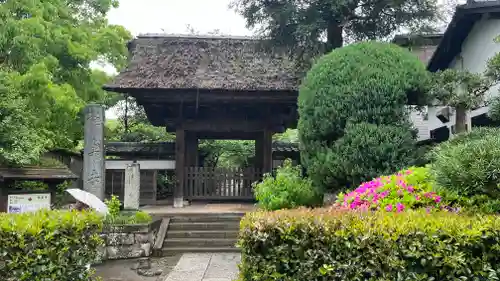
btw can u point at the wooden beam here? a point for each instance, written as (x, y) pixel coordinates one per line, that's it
(221, 125)
(227, 135)
(202, 96)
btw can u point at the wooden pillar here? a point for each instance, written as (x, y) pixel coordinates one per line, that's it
(264, 151)
(259, 152)
(180, 159)
(267, 153)
(191, 149)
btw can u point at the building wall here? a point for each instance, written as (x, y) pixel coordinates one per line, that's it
(477, 49)
(420, 123)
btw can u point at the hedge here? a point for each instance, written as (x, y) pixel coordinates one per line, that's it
(48, 245)
(349, 245)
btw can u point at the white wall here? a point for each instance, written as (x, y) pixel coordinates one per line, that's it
(144, 164)
(476, 50)
(421, 124)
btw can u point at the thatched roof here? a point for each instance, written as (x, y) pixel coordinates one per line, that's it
(205, 62)
(168, 148)
(33, 173)
(140, 148)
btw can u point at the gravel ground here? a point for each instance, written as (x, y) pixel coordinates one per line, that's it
(121, 270)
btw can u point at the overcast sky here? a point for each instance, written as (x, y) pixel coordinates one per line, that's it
(172, 16)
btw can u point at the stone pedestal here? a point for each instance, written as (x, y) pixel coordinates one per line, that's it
(180, 164)
(132, 186)
(93, 157)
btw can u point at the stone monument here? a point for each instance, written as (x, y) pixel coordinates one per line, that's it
(132, 186)
(93, 157)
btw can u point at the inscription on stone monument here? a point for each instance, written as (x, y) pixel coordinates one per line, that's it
(93, 162)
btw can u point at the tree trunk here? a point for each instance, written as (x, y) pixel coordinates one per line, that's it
(125, 116)
(460, 120)
(334, 36)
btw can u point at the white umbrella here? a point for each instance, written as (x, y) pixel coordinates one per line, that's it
(89, 199)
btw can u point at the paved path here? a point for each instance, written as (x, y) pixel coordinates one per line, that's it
(206, 267)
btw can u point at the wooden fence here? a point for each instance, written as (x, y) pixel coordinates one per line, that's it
(220, 183)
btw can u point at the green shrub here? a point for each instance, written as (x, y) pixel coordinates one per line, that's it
(129, 217)
(114, 205)
(375, 246)
(361, 83)
(367, 151)
(410, 188)
(117, 217)
(287, 190)
(469, 165)
(48, 245)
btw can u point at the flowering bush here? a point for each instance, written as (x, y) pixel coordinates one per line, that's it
(408, 189)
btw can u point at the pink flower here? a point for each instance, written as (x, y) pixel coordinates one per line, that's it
(408, 172)
(400, 207)
(410, 189)
(437, 199)
(428, 194)
(417, 198)
(388, 208)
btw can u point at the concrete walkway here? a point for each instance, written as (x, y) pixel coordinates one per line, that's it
(206, 267)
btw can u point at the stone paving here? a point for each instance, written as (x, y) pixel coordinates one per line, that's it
(206, 267)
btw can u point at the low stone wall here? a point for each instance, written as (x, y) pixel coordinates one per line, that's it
(128, 241)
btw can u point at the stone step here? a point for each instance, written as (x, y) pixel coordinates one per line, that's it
(171, 251)
(207, 218)
(199, 242)
(173, 226)
(202, 234)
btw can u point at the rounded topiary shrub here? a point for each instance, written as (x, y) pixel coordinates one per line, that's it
(468, 168)
(362, 83)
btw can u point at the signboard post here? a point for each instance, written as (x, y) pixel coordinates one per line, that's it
(22, 203)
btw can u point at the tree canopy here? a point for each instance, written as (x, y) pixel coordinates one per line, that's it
(304, 26)
(46, 78)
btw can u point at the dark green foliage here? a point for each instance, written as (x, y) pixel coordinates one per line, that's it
(287, 190)
(319, 245)
(48, 245)
(369, 150)
(470, 166)
(467, 168)
(301, 26)
(361, 83)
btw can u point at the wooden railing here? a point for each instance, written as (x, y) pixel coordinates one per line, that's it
(220, 183)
